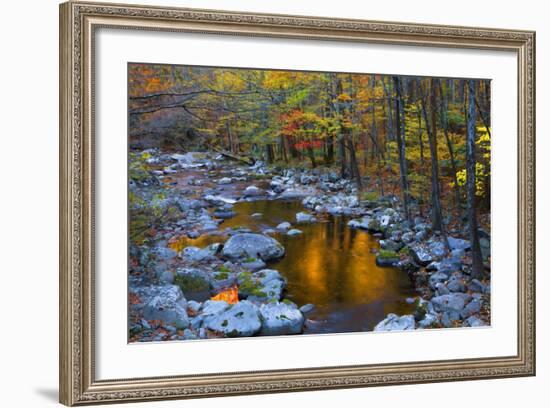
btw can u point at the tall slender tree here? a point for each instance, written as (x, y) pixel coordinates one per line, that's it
(400, 137)
(477, 260)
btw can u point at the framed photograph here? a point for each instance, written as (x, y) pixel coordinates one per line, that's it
(256, 203)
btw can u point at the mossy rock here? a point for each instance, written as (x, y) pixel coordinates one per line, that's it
(374, 226)
(387, 254)
(194, 284)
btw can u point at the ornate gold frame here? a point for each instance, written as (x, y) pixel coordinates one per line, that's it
(78, 22)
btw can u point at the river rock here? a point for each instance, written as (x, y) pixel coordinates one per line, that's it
(196, 254)
(453, 304)
(307, 308)
(167, 305)
(473, 307)
(457, 243)
(240, 320)
(476, 286)
(448, 266)
(253, 191)
(281, 318)
(249, 245)
(213, 307)
(293, 232)
(225, 180)
(167, 277)
(254, 265)
(407, 237)
(302, 217)
(195, 283)
(441, 289)
(261, 286)
(420, 254)
(394, 322)
(164, 253)
(390, 245)
(283, 226)
(361, 223)
(224, 214)
(436, 278)
(437, 249)
(456, 284)
(428, 321)
(293, 193)
(473, 321)
(186, 205)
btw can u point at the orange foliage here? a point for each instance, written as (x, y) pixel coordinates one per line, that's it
(230, 295)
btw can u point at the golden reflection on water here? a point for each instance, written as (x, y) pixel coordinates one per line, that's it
(329, 265)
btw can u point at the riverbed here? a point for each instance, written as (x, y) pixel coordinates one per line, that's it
(329, 265)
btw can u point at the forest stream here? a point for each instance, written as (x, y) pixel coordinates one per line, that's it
(329, 265)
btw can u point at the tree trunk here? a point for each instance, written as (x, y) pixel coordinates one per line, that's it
(400, 136)
(431, 127)
(477, 260)
(444, 121)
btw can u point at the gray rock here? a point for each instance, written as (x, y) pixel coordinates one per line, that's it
(196, 254)
(167, 277)
(256, 215)
(292, 193)
(420, 254)
(195, 283)
(385, 221)
(225, 180)
(194, 306)
(437, 248)
(458, 253)
(446, 320)
(224, 214)
(457, 243)
(473, 321)
(473, 307)
(390, 245)
(248, 245)
(307, 179)
(168, 305)
(186, 205)
(293, 232)
(240, 320)
(441, 289)
(307, 308)
(261, 286)
(420, 235)
(456, 284)
(361, 223)
(436, 278)
(449, 265)
(476, 286)
(428, 321)
(305, 217)
(255, 265)
(189, 335)
(283, 226)
(164, 253)
(281, 318)
(407, 237)
(253, 191)
(213, 307)
(384, 261)
(453, 304)
(393, 323)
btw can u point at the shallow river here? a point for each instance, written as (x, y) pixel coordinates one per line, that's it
(329, 265)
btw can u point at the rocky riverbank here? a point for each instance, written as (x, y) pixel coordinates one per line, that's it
(224, 288)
